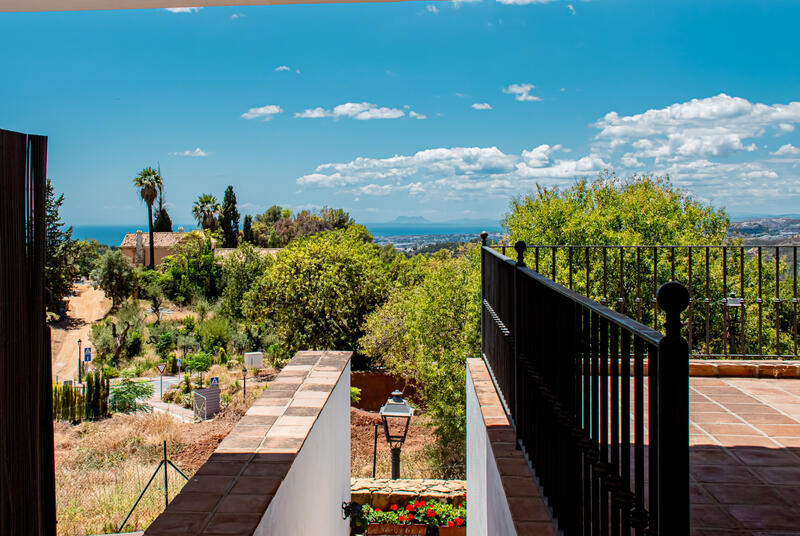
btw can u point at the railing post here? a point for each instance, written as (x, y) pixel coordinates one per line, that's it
(672, 371)
(483, 235)
(520, 248)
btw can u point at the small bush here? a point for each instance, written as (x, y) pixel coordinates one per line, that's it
(128, 395)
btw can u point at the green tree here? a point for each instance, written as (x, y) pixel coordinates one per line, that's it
(163, 223)
(148, 181)
(198, 361)
(247, 229)
(192, 272)
(240, 270)
(337, 218)
(229, 220)
(115, 275)
(60, 268)
(130, 396)
(206, 210)
(87, 253)
(426, 331)
(319, 290)
(609, 210)
(118, 337)
(271, 215)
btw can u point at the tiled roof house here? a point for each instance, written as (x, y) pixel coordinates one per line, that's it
(136, 246)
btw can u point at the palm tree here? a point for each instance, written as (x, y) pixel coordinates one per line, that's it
(205, 210)
(149, 182)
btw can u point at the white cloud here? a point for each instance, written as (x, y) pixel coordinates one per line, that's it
(283, 68)
(713, 126)
(787, 149)
(571, 8)
(482, 106)
(183, 9)
(266, 112)
(356, 110)
(521, 92)
(432, 8)
(416, 115)
(238, 16)
(452, 173)
(197, 152)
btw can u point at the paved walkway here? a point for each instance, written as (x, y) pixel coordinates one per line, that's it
(745, 456)
(175, 410)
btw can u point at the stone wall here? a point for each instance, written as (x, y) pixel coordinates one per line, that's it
(382, 492)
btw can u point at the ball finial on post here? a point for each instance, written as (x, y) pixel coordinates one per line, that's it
(520, 248)
(673, 298)
(484, 235)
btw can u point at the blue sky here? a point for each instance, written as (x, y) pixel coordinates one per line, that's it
(432, 109)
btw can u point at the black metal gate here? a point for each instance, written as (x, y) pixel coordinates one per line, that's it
(608, 442)
(27, 481)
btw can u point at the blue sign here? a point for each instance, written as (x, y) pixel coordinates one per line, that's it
(87, 354)
(179, 362)
(214, 380)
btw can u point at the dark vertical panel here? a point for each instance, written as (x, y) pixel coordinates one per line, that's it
(27, 487)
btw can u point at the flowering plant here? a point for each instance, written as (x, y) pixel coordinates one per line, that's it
(418, 512)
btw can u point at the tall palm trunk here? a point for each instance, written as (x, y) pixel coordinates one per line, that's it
(150, 223)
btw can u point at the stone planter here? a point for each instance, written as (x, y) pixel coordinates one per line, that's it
(453, 531)
(383, 529)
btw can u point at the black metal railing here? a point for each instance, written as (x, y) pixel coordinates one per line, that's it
(608, 443)
(744, 298)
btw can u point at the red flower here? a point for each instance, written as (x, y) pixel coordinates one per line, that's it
(409, 507)
(430, 513)
(422, 503)
(410, 516)
(451, 524)
(459, 521)
(417, 504)
(393, 507)
(378, 510)
(401, 518)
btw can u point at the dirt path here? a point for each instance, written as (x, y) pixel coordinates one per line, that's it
(87, 306)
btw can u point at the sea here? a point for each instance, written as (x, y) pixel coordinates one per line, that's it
(112, 235)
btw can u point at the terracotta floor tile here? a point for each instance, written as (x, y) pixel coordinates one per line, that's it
(745, 441)
(784, 430)
(764, 457)
(738, 494)
(788, 441)
(721, 473)
(709, 516)
(710, 456)
(766, 516)
(730, 429)
(780, 475)
(716, 417)
(747, 409)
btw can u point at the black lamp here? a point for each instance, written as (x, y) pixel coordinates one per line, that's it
(396, 415)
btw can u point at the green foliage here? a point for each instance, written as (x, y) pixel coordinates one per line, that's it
(115, 275)
(118, 337)
(60, 268)
(277, 227)
(215, 333)
(426, 331)
(641, 210)
(355, 395)
(318, 291)
(247, 229)
(198, 361)
(192, 272)
(128, 396)
(240, 270)
(163, 223)
(337, 218)
(87, 253)
(77, 403)
(229, 220)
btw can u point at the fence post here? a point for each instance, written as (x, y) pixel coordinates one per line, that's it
(520, 248)
(673, 412)
(484, 235)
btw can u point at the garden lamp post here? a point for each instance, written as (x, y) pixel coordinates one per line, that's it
(396, 415)
(79, 361)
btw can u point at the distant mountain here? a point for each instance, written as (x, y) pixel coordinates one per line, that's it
(411, 220)
(781, 227)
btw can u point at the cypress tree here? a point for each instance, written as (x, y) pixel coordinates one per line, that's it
(247, 229)
(88, 399)
(229, 220)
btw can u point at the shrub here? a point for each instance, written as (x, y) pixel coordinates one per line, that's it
(128, 395)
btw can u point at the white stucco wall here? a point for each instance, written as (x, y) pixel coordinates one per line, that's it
(309, 500)
(487, 508)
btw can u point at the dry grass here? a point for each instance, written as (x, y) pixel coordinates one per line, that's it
(101, 467)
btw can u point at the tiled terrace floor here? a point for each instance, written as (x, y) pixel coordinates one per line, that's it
(745, 456)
